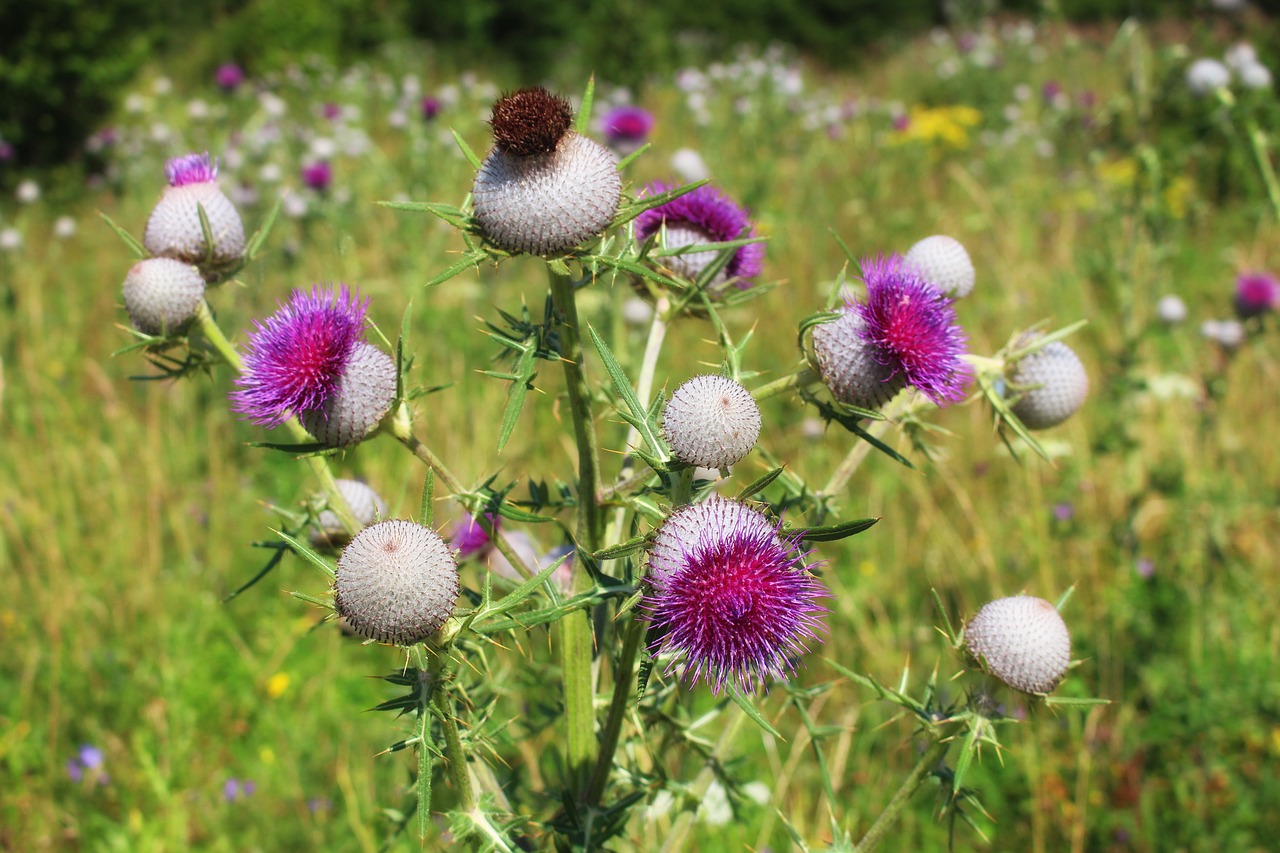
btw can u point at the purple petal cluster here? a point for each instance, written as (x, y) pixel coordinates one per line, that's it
(88, 759)
(191, 169)
(715, 214)
(295, 359)
(730, 594)
(228, 76)
(469, 537)
(627, 125)
(318, 176)
(912, 329)
(1257, 293)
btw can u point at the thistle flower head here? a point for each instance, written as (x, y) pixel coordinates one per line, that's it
(191, 169)
(1053, 384)
(849, 366)
(704, 215)
(912, 331)
(943, 262)
(162, 295)
(396, 583)
(530, 121)
(365, 390)
(711, 421)
(1022, 641)
(627, 125)
(469, 537)
(295, 359)
(730, 594)
(1257, 293)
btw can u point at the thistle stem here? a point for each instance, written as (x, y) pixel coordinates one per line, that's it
(893, 811)
(576, 639)
(623, 676)
(801, 378)
(457, 757)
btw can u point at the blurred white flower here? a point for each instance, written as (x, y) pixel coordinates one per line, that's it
(270, 173)
(161, 132)
(636, 311)
(1171, 309)
(294, 204)
(689, 165)
(1239, 55)
(231, 159)
(135, 103)
(162, 86)
(272, 105)
(28, 192)
(398, 119)
(1021, 92)
(10, 240)
(1207, 75)
(323, 148)
(64, 227)
(197, 110)
(1255, 75)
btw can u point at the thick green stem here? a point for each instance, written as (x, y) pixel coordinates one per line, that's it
(576, 639)
(893, 811)
(623, 677)
(801, 378)
(457, 757)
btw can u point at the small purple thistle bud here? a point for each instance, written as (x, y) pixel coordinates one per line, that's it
(191, 169)
(730, 595)
(318, 176)
(430, 107)
(469, 538)
(1257, 293)
(228, 76)
(704, 215)
(174, 229)
(627, 127)
(396, 583)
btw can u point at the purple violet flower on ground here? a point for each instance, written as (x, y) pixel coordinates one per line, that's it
(730, 594)
(228, 76)
(1257, 293)
(295, 359)
(629, 126)
(704, 215)
(912, 330)
(318, 176)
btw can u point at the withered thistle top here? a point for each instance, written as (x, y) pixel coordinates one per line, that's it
(530, 121)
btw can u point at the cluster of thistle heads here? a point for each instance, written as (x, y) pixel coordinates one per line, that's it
(729, 592)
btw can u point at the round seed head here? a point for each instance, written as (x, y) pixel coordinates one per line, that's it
(547, 203)
(711, 421)
(730, 595)
(848, 366)
(1022, 641)
(530, 121)
(363, 395)
(943, 262)
(365, 504)
(174, 230)
(1053, 384)
(162, 295)
(396, 583)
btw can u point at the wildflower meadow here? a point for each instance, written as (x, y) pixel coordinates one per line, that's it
(758, 453)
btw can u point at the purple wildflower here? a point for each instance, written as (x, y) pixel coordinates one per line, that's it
(191, 169)
(228, 76)
(430, 107)
(7, 151)
(469, 537)
(708, 216)
(1052, 92)
(730, 594)
(1257, 293)
(90, 757)
(296, 358)
(1146, 568)
(331, 111)
(901, 122)
(1064, 511)
(75, 770)
(318, 176)
(912, 329)
(234, 789)
(629, 126)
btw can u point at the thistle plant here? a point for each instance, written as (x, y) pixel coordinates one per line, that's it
(659, 588)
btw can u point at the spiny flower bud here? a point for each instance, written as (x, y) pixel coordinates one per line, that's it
(543, 189)
(363, 395)
(711, 421)
(943, 262)
(1053, 384)
(162, 295)
(1022, 641)
(366, 507)
(174, 230)
(396, 583)
(847, 364)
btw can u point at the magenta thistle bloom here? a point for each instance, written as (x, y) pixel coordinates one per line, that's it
(297, 357)
(1256, 293)
(730, 594)
(430, 107)
(704, 215)
(318, 175)
(627, 125)
(912, 330)
(191, 169)
(469, 537)
(228, 76)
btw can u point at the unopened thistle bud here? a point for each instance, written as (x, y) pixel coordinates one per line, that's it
(1053, 384)
(943, 262)
(396, 583)
(162, 295)
(544, 189)
(711, 421)
(174, 229)
(366, 507)
(1022, 641)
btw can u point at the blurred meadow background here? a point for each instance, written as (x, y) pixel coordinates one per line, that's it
(1062, 143)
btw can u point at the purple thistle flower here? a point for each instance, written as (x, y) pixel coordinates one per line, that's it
(627, 125)
(430, 107)
(228, 76)
(7, 151)
(331, 111)
(75, 770)
(469, 537)
(1146, 568)
(191, 169)
(1064, 511)
(90, 757)
(704, 215)
(730, 594)
(296, 358)
(1257, 293)
(318, 176)
(912, 329)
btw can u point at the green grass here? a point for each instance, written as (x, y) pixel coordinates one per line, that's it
(128, 509)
